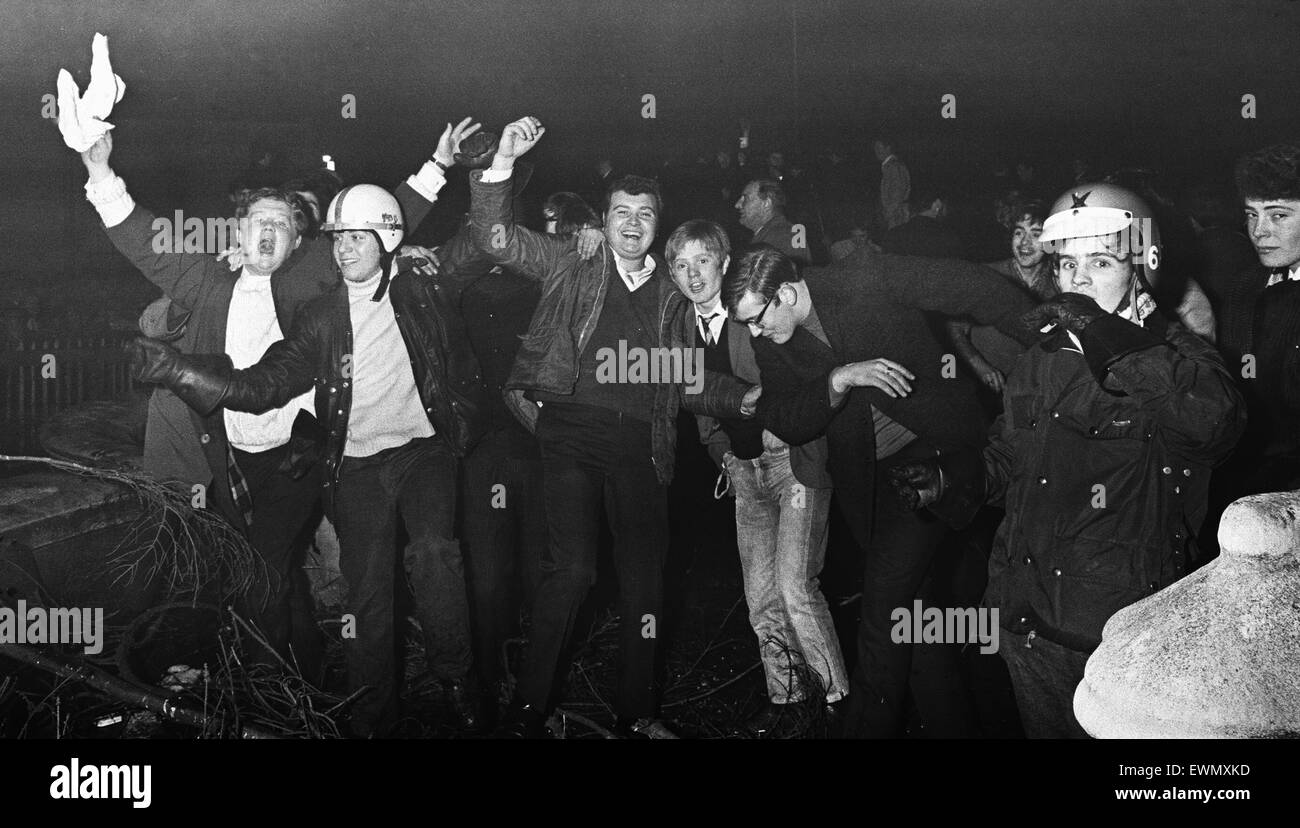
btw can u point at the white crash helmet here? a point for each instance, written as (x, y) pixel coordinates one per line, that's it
(367, 207)
(1105, 210)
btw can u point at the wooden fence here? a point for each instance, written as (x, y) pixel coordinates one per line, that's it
(42, 374)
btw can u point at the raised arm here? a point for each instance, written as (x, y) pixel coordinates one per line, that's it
(492, 223)
(956, 288)
(135, 232)
(417, 194)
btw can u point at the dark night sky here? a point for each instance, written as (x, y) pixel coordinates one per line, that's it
(1152, 82)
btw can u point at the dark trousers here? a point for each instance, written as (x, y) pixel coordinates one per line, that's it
(903, 548)
(417, 482)
(504, 537)
(279, 604)
(1044, 675)
(594, 458)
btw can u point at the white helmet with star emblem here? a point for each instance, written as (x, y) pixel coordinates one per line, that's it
(367, 207)
(1106, 210)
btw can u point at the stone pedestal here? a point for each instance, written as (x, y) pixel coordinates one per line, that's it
(1215, 655)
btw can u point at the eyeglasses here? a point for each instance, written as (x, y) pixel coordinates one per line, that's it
(757, 321)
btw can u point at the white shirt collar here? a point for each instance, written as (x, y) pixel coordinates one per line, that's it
(1292, 275)
(640, 277)
(715, 324)
(717, 308)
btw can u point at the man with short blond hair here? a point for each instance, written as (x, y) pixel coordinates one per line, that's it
(783, 498)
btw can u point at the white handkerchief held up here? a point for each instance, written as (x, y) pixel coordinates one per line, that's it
(81, 117)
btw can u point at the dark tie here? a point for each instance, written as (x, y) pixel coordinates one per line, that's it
(708, 329)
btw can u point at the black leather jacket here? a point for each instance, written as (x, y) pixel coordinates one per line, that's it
(317, 352)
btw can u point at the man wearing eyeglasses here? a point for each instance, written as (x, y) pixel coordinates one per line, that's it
(846, 352)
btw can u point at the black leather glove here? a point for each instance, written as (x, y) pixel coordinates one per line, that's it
(200, 381)
(476, 151)
(1073, 311)
(916, 483)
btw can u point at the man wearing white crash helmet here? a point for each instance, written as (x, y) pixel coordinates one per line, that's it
(392, 430)
(1112, 423)
(1108, 209)
(252, 467)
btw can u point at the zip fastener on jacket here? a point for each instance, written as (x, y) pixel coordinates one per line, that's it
(604, 280)
(663, 319)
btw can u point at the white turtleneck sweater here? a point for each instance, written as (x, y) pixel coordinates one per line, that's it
(386, 407)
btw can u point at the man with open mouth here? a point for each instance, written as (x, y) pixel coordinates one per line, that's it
(391, 432)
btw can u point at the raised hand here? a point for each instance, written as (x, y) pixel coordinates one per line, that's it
(96, 158)
(516, 139)
(749, 402)
(449, 142)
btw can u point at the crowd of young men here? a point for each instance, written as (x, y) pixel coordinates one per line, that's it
(805, 381)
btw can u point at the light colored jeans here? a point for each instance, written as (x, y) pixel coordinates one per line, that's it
(781, 532)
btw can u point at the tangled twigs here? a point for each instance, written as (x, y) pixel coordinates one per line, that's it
(594, 691)
(277, 699)
(189, 547)
(700, 696)
(134, 695)
(712, 641)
